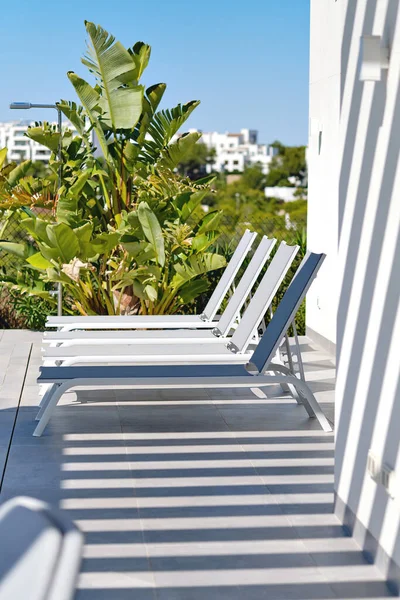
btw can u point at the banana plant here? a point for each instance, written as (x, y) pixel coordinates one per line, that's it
(126, 232)
(140, 267)
(18, 188)
(10, 174)
(134, 137)
(168, 269)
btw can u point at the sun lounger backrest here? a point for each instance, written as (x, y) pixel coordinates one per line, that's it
(228, 275)
(286, 311)
(263, 297)
(245, 285)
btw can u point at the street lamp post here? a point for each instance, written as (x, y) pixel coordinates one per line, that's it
(27, 106)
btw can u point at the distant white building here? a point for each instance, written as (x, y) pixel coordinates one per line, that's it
(20, 147)
(235, 151)
(286, 194)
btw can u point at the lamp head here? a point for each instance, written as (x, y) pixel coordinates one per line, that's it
(21, 105)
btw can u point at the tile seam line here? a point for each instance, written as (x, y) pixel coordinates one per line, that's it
(148, 558)
(16, 416)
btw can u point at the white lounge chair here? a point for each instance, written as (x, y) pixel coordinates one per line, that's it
(40, 552)
(221, 350)
(183, 336)
(252, 375)
(205, 320)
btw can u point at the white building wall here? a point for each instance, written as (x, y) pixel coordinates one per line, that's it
(322, 157)
(236, 151)
(367, 285)
(287, 194)
(230, 160)
(250, 136)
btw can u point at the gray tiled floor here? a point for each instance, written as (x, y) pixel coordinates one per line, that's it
(189, 496)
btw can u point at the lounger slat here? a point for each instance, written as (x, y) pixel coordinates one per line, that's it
(152, 336)
(245, 286)
(228, 275)
(136, 350)
(52, 374)
(286, 310)
(263, 297)
(129, 322)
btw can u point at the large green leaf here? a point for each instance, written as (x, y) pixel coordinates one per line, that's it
(105, 242)
(37, 228)
(68, 203)
(17, 249)
(141, 252)
(201, 242)
(141, 56)
(154, 93)
(107, 59)
(210, 222)
(114, 67)
(150, 292)
(189, 291)
(46, 137)
(74, 114)
(196, 265)
(3, 156)
(138, 289)
(163, 127)
(84, 233)
(90, 99)
(64, 240)
(18, 173)
(173, 154)
(49, 252)
(67, 210)
(151, 101)
(122, 107)
(79, 184)
(87, 94)
(39, 262)
(190, 206)
(152, 231)
(134, 247)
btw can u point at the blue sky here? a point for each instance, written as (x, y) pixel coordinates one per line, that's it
(247, 61)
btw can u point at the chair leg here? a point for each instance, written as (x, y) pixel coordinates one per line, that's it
(278, 368)
(311, 405)
(284, 386)
(289, 354)
(43, 387)
(45, 399)
(50, 406)
(298, 352)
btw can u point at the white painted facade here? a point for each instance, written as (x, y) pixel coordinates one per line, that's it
(354, 146)
(287, 194)
(236, 151)
(20, 147)
(322, 161)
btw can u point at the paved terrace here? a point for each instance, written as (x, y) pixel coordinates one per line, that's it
(187, 496)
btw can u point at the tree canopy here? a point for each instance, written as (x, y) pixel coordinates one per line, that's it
(288, 167)
(194, 163)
